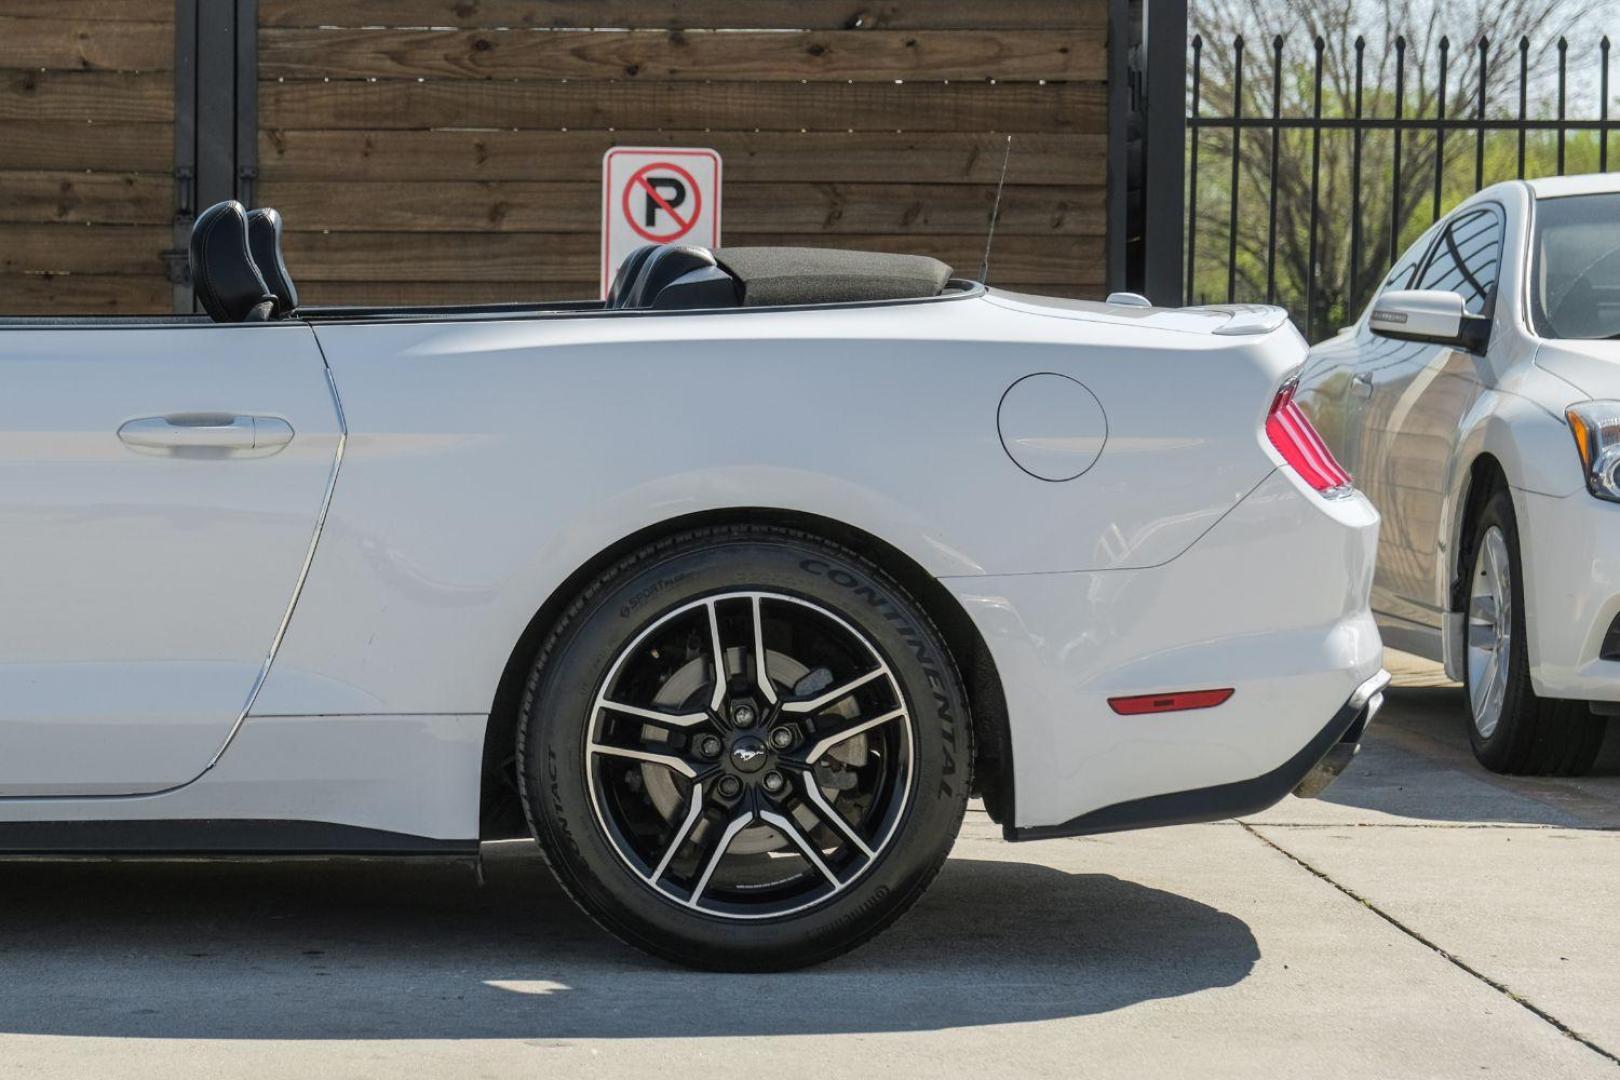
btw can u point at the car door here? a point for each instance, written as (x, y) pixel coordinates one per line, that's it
(1419, 395)
(160, 487)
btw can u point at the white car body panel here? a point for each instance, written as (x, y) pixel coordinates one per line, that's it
(1066, 643)
(1412, 443)
(867, 418)
(392, 776)
(144, 592)
(487, 460)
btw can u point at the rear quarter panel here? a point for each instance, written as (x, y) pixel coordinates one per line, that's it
(488, 460)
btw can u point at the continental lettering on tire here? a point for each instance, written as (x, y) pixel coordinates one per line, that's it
(914, 640)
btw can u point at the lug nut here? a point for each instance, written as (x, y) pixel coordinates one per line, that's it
(782, 738)
(774, 782)
(709, 746)
(730, 786)
(743, 716)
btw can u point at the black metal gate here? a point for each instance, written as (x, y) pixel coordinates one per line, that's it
(1252, 160)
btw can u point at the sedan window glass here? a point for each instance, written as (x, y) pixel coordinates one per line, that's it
(1575, 284)
(1401, 276)
(1467, 259)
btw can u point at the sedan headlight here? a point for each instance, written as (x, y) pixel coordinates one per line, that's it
(1596, 426)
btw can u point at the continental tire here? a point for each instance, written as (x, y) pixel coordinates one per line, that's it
(745, 748)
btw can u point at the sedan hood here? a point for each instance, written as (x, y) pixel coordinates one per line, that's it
(1592, 366)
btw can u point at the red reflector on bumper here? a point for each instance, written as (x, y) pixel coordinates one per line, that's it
(1179, 701)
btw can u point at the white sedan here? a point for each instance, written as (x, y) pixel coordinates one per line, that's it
(1477, 402)
(730, 590)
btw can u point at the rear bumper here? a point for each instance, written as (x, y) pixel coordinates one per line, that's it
(1272, 602)
(1307, 774)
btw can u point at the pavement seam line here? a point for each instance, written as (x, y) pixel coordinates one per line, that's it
(1457, 962)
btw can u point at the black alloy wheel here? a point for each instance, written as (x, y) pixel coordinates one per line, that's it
(745, 748)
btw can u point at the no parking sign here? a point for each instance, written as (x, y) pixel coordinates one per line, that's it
(657, 195)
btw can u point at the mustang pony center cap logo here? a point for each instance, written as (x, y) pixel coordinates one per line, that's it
(748, 754)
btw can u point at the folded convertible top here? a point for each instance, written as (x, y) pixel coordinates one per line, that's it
(771, 276)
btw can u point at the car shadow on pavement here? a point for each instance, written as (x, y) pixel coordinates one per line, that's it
(1415, 763)
(392, 950)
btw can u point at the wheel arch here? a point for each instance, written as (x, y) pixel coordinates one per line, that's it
(500, 812)
(1485, 475)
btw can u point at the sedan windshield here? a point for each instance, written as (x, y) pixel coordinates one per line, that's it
(1575, 290)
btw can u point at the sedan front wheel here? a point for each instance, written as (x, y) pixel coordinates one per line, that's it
(1512, 729)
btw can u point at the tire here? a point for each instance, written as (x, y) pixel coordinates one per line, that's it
(1524, 734)
(679, 865)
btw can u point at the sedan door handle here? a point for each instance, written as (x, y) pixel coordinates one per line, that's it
(206, 431)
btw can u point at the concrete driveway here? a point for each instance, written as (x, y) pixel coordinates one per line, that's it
(1426, 920)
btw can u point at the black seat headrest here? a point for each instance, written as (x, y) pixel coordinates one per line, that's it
(264, 242)
(223, 275)
(626, 277)
(663, 266)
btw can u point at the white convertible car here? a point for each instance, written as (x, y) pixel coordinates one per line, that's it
(730, 590)
(1477, 402)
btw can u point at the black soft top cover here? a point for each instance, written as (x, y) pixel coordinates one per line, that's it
(773, 276)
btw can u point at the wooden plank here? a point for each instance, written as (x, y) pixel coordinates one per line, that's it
(509, 257)
(691, 14)
(77, 96)
(861, 55)
(85, 45)
(60, 145)
(750, 157)
(979, 107)
(149, 11)
(84, 294)
(514, 206)
(103, 198)
(384, 293)
(83, 249)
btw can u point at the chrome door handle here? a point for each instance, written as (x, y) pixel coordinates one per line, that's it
(206, 431)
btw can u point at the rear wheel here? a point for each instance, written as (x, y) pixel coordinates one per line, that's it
(744, 748)
(1511, 728)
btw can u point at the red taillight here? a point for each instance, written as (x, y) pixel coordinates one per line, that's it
(1299, 444)
(1177, 701)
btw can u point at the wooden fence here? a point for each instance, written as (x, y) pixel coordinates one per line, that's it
(86, 155)
(450, 150)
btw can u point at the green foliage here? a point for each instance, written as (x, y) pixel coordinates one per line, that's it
(1342, 290)
(1317, 171)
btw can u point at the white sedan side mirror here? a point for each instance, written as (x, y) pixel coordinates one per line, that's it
(1429, 315)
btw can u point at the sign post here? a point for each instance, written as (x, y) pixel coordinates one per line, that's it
(657, 195)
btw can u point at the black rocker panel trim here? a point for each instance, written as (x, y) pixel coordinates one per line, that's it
(1215, 803)
(217, 836)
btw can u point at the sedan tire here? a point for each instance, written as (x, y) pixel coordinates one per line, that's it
(769, 818)
(1511, 728)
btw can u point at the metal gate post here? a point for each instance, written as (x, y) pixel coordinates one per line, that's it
(1164, 207)
(1118, 227)
(216, 121)
(185, 151)
(247, 100)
